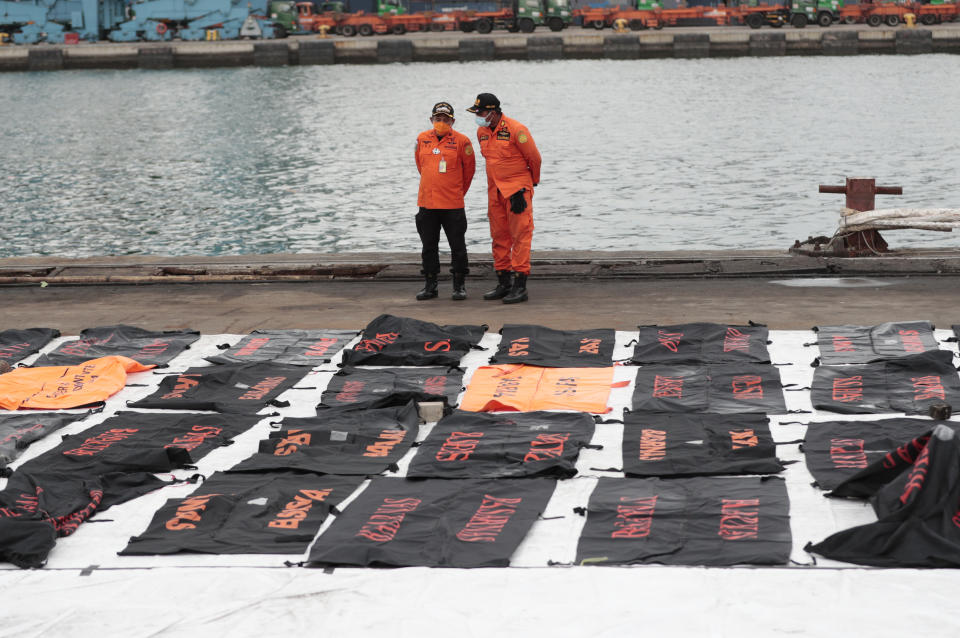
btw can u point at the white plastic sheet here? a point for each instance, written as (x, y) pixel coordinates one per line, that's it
(87, 589)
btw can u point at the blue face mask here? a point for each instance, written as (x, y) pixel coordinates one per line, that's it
(481, 121)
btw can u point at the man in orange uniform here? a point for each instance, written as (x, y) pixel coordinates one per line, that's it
(513, 170)
(446, 163)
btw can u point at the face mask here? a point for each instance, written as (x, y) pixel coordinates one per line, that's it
(442, 128)
(481, 121)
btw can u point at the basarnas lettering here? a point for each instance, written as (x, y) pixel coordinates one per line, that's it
(653, 445)
(320, 348)
(437, 346)
(195, 437)
(489, 520)
(927, 388)
(736, 341)
(747, 387)
(634, 517)
(434, 385)
(351, 391)
(252, 346)
(669, 340)
(848, 389)
(378, 343)
(388, 440)
(262, 389)
(189, 513)
(667, 387)
(507, 387)
(155, 348)
(297, 510)
(291, 443)
(843, 344)
(459, 446)
(739, 519)
(566, 386)
(917, 476)
(912, 341)
(12, 350)
(848, 453)
(101, 442)
(184, 383)
(590, 346)
(740, 439)
(545, 446)
(519, 347)
(383, 525)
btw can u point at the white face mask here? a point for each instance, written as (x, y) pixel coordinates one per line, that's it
(481, 121)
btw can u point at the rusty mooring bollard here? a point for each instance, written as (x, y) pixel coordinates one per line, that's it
(861, 192)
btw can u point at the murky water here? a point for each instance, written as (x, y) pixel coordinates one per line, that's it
(657, 154)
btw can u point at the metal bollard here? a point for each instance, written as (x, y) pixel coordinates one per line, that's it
(860, 192)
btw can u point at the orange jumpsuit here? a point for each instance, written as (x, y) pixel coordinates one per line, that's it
(446, 165)
(513, 162)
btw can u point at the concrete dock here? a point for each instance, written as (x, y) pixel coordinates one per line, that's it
(190, 595)
(572, 43)
(567, 290)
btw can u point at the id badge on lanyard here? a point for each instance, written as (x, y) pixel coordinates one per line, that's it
(442, 167)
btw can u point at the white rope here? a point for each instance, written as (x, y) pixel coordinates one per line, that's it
(940, 219)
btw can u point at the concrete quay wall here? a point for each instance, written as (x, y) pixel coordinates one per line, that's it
(577, 44)
(405, 267)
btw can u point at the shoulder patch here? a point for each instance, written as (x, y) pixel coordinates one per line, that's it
(468, 150)
(522, 138)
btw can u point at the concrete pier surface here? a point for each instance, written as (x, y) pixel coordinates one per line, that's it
(454, 46)
(193, 595)
(567, 290)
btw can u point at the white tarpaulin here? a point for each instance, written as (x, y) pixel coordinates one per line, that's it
(87, 589)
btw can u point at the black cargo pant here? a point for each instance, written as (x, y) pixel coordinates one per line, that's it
(454, 224)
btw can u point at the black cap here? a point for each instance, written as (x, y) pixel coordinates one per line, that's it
(442, 108)
(485, 102)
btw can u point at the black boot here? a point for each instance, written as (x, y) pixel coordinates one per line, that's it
(459, 286)
(518, 292)
(504, 281)
(429, 288)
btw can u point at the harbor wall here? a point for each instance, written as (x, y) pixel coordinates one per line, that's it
(547, 264)
(311, 50)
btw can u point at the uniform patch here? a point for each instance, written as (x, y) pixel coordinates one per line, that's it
(503, 135)
(484, 138)
(522, 138)
(468, 150)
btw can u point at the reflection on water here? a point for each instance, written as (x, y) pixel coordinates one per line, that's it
(654, 154)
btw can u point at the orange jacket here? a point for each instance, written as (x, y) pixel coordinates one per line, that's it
(444, 190)
(61, 387)
(513, 161)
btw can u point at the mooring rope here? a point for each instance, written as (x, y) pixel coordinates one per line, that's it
(940, 219)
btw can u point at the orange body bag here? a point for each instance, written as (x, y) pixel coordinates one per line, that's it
(61, 387)
(520, 388)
